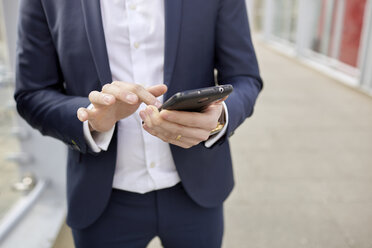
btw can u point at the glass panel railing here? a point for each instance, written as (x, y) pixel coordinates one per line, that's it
(285, 19)
(8, 146)
(8, 142)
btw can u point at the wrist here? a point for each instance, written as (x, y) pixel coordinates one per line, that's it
(100, 128)
(91, 129)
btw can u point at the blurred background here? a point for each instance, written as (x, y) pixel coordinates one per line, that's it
(303, 162)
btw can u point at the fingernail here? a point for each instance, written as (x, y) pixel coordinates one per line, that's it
(81, 114)
(106, 99)
(131, 98)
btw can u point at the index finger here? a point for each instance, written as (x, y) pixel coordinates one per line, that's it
(142, 94)
(145, 96)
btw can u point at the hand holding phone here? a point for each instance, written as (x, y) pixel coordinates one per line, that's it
(198, 99)
(187, 118)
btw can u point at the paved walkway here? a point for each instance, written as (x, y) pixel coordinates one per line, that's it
(303, 164)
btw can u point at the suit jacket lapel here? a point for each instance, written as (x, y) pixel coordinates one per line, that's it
(96, 38)
(173, 16)
(97, 44)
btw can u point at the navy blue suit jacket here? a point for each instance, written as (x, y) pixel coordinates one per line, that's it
(61, 57)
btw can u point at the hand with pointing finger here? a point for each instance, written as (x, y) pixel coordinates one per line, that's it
(116, 101)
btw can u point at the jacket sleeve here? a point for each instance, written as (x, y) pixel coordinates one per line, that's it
(236, 61)
(40, 93)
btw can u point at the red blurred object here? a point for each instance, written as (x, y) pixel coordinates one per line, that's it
(352, 30)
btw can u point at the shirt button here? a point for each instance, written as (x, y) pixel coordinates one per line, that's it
(152, 165)
(133, 7)
(136, 45)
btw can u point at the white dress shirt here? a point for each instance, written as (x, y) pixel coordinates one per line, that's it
(134, 32)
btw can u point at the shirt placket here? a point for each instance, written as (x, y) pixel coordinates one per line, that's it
(137, 30)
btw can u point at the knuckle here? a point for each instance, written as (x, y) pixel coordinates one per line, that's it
(149, 126)
(205, 136)
(156, 121)
(187, 146)
(106, 87)
(92, 95)
(137, 87)
(170, 135)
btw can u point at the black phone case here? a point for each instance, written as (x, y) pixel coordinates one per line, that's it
(197, 100)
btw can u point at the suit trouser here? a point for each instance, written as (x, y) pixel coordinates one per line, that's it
(133, 220)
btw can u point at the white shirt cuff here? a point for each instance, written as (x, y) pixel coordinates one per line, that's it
(215, 138)
(97, 141)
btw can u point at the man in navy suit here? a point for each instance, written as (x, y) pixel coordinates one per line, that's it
(89, 72)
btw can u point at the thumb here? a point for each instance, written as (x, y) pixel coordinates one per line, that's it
(157, 90)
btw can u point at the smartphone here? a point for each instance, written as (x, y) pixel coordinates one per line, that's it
(197, 100)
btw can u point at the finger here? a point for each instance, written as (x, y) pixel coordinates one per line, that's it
(85, 114)
(170, 129)
(183, 142)
(189, 142)
(214, 110)
(145, 96)
(154, 128)
(145, 118)
(101, 99)
(140, 92)
(120, 92)
(157, 90)
(206, 120)
(82, 114)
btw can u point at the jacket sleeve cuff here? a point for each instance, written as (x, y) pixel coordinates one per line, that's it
(97, 141)
(213, 139)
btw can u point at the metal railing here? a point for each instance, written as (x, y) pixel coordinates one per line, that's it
(37, 162)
